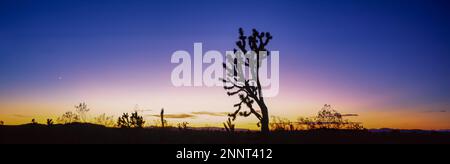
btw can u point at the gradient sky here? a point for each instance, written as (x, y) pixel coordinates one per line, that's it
(386, 60)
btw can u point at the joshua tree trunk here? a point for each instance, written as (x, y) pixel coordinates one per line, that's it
(264, 119)
(262, 105)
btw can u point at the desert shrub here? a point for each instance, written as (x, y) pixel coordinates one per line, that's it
(49, 122)
(328, 118)
(82, 109)
(282, 124)
(183, 126)
(306, 123)
(156, 123)
(124, 121)
(105, 120)
(33, 121)
(137, 121)
(2, 123)
(68, 117)
(133, 121)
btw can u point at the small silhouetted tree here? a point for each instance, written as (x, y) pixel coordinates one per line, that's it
(248, 90)
(49, 122)
(2, 123)
(82, 109)
(68, 117)
(133, 121)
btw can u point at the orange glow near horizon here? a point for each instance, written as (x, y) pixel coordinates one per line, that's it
(289, 104)
(302, 94)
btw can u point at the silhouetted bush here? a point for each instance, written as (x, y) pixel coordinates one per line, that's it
(49, 122)
(68, 117)
(328, 118)
(282, 124)
(183, 126)
(124, 121)
(137, 121)
(2, 123)
(133, 121)
(82, 109)
(307, 123)
(33, 121)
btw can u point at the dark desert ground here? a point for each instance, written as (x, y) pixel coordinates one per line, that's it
(78, 133)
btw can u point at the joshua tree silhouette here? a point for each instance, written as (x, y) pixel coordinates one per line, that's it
(248, 90)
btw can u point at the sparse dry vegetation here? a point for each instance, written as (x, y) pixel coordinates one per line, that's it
(104, 120)
(133, 121)
(328, 118)
(50, 122)
(68, 117)
(183, 126)
(82, 110)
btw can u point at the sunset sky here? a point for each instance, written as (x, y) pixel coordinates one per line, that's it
(385, 60)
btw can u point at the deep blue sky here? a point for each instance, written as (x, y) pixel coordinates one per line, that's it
(374, 46)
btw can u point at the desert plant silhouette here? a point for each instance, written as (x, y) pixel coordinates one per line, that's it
(33, 121)
(133, 121)
(282, 124)
(82, 109)
(328, 118)
(68, 117)
(2, 123)
(162, 118)
(183, 126)
(105, 120)
(136, 120)
(124, 121)
(248, 90)
(229, 126)
(49, 122)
